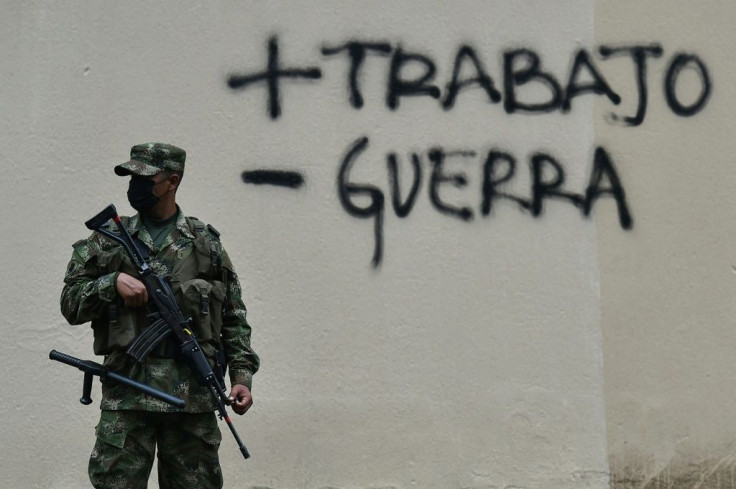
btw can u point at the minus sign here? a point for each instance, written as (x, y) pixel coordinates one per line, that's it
(279, 178)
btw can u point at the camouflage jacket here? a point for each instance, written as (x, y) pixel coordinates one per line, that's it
(198, 268)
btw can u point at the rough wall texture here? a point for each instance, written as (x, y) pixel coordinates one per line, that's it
(667, 287)
(483, 244)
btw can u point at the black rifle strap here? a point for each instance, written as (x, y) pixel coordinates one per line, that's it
(141, 248)
(220, 365)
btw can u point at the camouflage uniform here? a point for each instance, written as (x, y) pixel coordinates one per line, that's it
(132, 423)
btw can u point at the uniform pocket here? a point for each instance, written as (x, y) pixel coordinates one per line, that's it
(116, 331)
(202, 301)
(118, 328)
(115, 260)
(110, 429)
(122, 331)
(206, 258)
(101, 336)
(109, 261)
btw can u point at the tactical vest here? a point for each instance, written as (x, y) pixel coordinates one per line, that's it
(198, 281)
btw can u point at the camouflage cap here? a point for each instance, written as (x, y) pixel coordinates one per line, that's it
(150, 158)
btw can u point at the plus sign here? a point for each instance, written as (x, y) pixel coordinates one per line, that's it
(271, 76)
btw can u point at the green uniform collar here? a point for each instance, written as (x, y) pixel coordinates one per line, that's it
(136, 227)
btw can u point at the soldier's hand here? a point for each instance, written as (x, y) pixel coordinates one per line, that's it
(131, 290)
(242, 400)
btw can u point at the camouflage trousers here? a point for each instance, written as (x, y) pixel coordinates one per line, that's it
(126, 441)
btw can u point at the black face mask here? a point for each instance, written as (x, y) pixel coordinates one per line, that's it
(140, 194)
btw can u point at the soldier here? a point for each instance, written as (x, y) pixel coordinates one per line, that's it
(101, 286)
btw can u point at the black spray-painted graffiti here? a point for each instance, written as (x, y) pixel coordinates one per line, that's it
(520, 68)
(498, 168)
(279, 178)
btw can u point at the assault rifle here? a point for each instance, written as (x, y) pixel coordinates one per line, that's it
(166, 319)
(91, 369)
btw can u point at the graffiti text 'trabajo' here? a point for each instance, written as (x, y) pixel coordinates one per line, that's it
(412, 74)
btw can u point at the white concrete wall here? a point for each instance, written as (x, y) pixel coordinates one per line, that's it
(507, 350)
(668, 286)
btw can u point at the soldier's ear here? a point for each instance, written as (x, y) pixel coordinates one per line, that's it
(174, 180)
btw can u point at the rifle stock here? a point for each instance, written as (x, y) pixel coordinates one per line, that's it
(101, 218)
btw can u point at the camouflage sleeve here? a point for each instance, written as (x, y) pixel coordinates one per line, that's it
(86, 293)
(242, 360)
